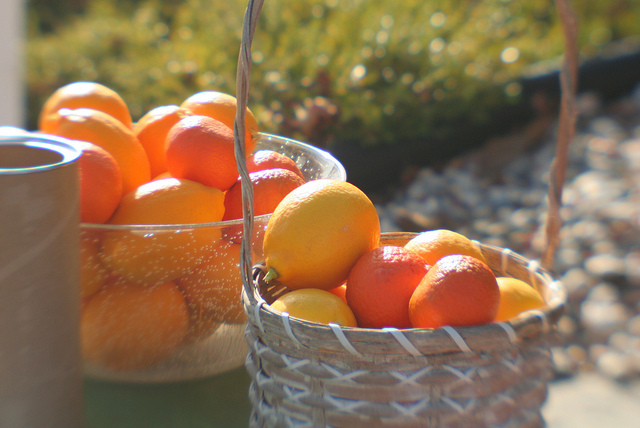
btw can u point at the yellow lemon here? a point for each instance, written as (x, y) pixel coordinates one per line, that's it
(516, 296)
(318, 232)
(316, 305)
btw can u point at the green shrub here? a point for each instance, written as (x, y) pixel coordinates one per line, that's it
(378, 72)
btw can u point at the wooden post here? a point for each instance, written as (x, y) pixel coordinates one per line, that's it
(12, 36)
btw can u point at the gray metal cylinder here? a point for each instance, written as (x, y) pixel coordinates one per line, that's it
(40, 358)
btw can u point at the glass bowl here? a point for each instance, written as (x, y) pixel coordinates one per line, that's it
(162, 302)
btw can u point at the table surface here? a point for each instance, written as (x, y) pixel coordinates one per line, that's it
(214, 402)
(221, 401)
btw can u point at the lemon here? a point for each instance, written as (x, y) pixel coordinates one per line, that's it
(316, 305)
(516, 296)
(318, 232)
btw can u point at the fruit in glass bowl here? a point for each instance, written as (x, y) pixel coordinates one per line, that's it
(187, 320)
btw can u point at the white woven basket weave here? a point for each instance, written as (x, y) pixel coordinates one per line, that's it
(306, 374)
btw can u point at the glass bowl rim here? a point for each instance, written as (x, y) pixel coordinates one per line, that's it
(235, 222)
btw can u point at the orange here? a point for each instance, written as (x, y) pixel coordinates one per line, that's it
(458, 290)
(201, 149)
(270, 186)
(201, 325)
(126, 326)
(90, 95)
(165, 174)
(318, 232)
(516, 296)
(103, 130)
(316, 306)
(159, 254)
(267, 159)
(93, 274)
(222, 107)
(340, 291)
(214, 288)
(100, 183)
(432, 245)
(380, 285)
(170, 201)
(152, 130)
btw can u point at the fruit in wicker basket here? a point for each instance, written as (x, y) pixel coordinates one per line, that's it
(380, 285)
(392, 286)
(458, 290)
(432, 245)
(86, 94)
(126, 326)
(316, 305)
(516, 296)
(318, 232)
(340, 291)
(152, 256)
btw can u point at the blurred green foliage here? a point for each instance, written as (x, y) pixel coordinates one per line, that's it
(369, 71)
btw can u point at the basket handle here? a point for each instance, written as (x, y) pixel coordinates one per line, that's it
(566, 130)
(242, 88)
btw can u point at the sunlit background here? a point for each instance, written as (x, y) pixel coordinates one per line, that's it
(326, 71)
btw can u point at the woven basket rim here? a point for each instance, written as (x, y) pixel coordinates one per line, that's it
(445, 340)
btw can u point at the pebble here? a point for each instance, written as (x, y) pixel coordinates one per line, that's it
(633, 327)
(603, 318)
(598, 259)
(564, 364)
(617, 365)
(607, 266)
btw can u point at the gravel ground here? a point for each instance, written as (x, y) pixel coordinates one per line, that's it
(498, 196)
(592, 400)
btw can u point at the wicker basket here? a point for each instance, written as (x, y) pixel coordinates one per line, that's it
(308, 374)
(316, 375)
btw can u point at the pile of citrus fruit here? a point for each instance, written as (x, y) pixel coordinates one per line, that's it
(323, 243)
(147, 291)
